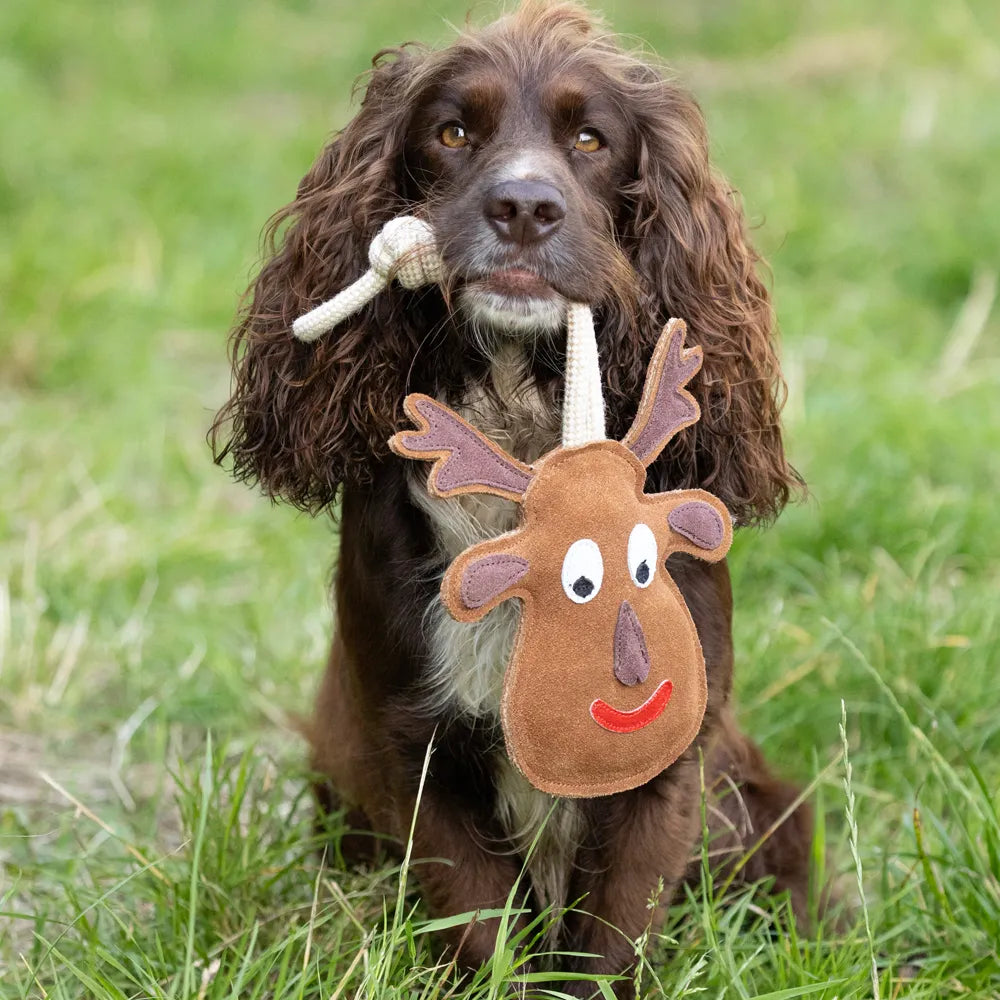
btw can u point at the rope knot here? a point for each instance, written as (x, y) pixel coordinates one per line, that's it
(405, 249)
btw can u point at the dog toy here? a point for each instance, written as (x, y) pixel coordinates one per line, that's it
(404, 249)
(606, 684)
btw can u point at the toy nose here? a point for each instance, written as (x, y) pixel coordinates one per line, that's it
(631, 655)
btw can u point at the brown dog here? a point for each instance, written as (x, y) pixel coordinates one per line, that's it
(553, 167)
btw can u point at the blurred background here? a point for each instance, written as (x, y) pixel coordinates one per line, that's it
(146, 601)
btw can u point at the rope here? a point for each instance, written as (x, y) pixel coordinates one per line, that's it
(405, 249)
(583, 401)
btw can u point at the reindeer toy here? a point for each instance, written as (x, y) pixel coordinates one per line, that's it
(606, 684)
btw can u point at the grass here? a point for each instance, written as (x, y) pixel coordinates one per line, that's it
(158, 625)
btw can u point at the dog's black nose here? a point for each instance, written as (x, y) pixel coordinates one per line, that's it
(524, 211)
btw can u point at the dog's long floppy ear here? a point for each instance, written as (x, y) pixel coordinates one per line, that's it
(685, 235)
(303, 418)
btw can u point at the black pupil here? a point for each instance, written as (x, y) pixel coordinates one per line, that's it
(582, 587)
(642, 572)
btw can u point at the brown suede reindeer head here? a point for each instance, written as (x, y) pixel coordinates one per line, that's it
(606, 685)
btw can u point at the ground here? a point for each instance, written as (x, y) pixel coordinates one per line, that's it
(160, 626)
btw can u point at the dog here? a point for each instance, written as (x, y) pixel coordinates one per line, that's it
(554, 166)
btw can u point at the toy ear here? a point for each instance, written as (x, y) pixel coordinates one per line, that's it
(483, 577)
(699, 523)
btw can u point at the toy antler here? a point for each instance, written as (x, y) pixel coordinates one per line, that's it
(666, 406)
(466, 461)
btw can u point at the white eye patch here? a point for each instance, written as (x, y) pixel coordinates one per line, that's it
(642, 555)
(582, 571)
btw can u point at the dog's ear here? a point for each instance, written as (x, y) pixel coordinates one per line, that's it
(303, 418)
(685, 234)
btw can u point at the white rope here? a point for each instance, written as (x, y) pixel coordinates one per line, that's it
(583, 401)
(405, 248)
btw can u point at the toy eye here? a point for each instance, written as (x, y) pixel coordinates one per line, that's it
(582, 571)
(642, 555)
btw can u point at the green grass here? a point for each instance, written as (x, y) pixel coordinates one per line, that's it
(146, 602)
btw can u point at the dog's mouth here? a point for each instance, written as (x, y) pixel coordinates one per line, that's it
(516, 282)
(617, 721)
(514, 300)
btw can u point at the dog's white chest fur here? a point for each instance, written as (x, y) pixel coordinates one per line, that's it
(468, 660)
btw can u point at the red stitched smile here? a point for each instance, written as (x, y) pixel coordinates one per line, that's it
(628, 722)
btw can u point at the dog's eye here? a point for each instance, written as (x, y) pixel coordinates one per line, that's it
(588, 140)
(454, 136)
(582, 571)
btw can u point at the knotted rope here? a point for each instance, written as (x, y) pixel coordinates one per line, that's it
(405, 249)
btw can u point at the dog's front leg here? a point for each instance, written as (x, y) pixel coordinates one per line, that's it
(460, 869)
(633, 841)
